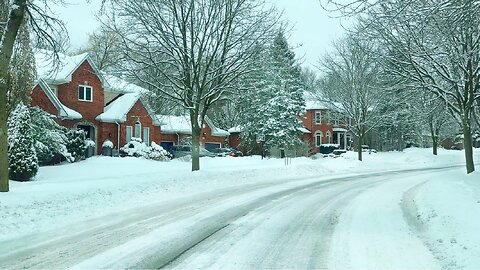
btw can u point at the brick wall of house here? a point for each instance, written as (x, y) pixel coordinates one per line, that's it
(309, 122)
(68, 93)
(107, 131)
(234, 139)
(207, 137)
(41, 100)
(169, 138)
(139, 113)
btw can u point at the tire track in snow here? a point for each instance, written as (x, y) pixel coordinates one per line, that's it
(298, 228)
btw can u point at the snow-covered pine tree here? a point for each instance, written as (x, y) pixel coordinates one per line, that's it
(287, 104)
(23, 162)
(273, 97)
(50, 138)
(76, 144)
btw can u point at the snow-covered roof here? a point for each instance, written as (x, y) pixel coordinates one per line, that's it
(118, 109)
(118, 85)
(236, 129)
(339, 129)
(172, 124)
(317, 105)
(63, 111)
(61, 72)
(304, 130)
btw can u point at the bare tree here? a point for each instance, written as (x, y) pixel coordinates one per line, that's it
(437, 47)
(353, 86)
(191, 51)
(13, 14)
(105, 48)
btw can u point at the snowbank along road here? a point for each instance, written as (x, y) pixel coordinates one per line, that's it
(357, 222)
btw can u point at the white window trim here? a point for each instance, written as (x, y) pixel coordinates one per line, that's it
(139, 130)
(321, 137)
(143, 137)
(315, 118)
(85, 92)
(328, 136)
(127, 140)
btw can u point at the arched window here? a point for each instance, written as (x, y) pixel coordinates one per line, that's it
(318, 138)
(327, 137)
(138, 129)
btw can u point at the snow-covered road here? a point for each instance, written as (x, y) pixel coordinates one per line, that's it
(356, 222)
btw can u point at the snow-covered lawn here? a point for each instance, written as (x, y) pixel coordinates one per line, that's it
(69, 193)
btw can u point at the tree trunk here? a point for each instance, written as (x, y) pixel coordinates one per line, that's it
(467, 145)
(435, 145)
(359, 147)
(15, 18)
(434, 137)
(196, 129)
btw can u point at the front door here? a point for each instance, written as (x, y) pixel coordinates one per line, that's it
(89, 131)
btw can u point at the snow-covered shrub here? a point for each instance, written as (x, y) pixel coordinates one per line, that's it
(136, 148)
(107, 144)
(50, 138)
(76, 144)
(89, 143)
(23, 162)
(156, 152)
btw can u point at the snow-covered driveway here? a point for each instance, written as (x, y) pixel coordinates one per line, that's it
(348, 222)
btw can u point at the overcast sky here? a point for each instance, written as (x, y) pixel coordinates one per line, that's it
(311, 36)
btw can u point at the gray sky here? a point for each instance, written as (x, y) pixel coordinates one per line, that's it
(311, 36)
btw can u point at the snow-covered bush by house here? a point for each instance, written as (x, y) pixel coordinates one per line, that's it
(50, 138)
(89, 143)
(156, 152)
(76, 144)
(23, 162)
(136, 148)
(107, 144)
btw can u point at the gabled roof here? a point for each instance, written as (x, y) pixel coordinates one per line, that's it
(173, 124)
(118, 109)
(63, 111)
(61, 72)
(317, 105)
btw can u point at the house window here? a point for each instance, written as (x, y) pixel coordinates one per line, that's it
(318, 118)
(138, 129)
(85, 93)
(128, 135)
(146, 135)
(327, 136)
(318, 138)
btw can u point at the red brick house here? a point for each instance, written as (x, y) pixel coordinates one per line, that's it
(82, 97)
(324, 126)
(176, 128)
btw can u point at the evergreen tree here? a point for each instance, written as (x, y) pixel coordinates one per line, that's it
(50, 138)
(273, 98)
(23, 162)
(76, 144)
